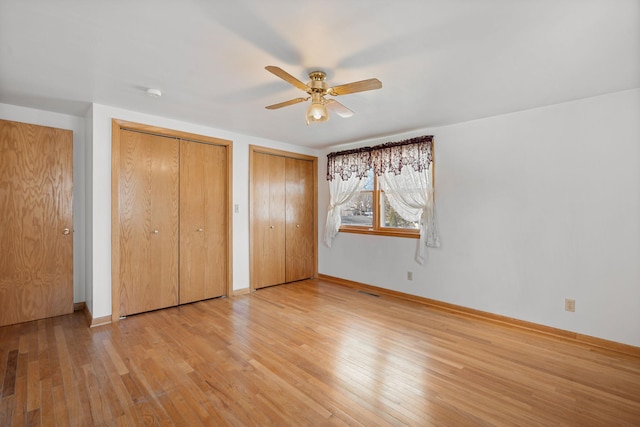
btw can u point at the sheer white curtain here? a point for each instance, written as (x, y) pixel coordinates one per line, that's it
(341, 192)
(410, 193)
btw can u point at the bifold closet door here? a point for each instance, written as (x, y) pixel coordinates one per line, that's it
(268, 210)
(148, 216)
(36, 222)
(299, 217)
(204, 245)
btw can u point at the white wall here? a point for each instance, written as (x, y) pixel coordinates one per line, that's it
(75, 124)
(88, 204)
(101, 194)
(534, 207)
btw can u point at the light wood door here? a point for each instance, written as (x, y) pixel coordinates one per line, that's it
(268, 211)
(36, 222)
(203, 221)
(148, 218)
(299, 219)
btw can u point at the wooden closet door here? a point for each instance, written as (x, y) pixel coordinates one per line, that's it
(268, 212)
(36, 224)
(203, 221)
(148, 210)
(299, 217)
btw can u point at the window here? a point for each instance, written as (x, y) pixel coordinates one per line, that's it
(386, 189)
(370, 211)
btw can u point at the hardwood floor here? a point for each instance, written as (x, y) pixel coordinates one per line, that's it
(308, 353)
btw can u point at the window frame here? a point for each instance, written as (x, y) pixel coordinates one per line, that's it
(378, 230)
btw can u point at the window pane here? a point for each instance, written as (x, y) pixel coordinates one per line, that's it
(368, 186)
(359, 211)
(391, 218)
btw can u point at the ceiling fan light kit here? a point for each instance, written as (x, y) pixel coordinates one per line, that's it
(318, 88)
(317, 112)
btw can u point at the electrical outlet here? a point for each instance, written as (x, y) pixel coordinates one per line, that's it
(236, 208)
(409, 275)
(569, 304)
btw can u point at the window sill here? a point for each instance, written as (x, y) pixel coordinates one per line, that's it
(394, 232)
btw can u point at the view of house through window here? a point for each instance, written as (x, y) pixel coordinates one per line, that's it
(371, 210)
(359, 211)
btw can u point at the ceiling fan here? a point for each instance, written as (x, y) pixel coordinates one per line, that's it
(318, 88)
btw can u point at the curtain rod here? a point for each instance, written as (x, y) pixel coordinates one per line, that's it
(416, 140)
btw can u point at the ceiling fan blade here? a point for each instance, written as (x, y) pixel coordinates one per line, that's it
(360, 86)
(284, 104)
(287, 77)
(338, 108)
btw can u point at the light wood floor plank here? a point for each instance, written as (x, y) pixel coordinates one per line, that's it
(306, 354)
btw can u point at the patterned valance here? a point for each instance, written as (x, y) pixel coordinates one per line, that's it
(390, 157)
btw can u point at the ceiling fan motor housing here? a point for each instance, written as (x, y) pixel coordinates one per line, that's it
(318, 83)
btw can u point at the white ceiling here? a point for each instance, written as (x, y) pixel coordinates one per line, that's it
(440, 61)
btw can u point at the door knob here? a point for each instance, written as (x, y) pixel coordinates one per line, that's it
(271, 226)
(297, 225)
(66, 231)
(155, 231)
(200, 229)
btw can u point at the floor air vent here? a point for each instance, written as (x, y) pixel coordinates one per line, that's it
(369, 293)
